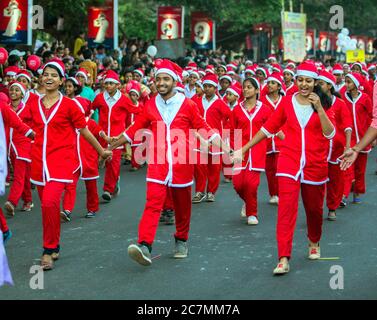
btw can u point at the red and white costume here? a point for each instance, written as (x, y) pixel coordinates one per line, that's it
(246, 178)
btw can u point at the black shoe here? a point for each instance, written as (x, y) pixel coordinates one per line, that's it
(169, 217)
(140, 254)
(126, 162)
(90, 215)
(65, 216)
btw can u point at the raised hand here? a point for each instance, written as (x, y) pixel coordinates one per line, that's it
(348, 158)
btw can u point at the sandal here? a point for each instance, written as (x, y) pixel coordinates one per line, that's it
(47, 262)
(282, 268)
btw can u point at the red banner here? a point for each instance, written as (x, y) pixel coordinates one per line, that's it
(324, 44)
(101, 25)
(14, 21)
(310, 41)
(170, 23)
(202, 31)
(281, 43)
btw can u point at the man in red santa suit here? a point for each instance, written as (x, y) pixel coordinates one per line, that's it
(170, 116)
(340, 85)
(216, 113)
(114, 108)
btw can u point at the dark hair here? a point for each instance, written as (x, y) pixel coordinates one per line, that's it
(87, 53)
(326, 101)
(78, 88)
(335, 93)
(13, 60)
(254, 83)
(56, 69)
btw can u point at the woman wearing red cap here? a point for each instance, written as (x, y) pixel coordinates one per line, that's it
(273, 99)
(341, 142)
(19, 154)
(248, 117)
(55, 119)
(360, 106)
(302, 161)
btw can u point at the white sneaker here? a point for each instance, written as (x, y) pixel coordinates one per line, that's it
(314, 252)
(243, 211)
(252, 221)
(274, 200)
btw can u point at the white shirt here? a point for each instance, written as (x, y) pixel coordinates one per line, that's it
(112, 100)
(303, 112)
(207, 104)
(169, 108)
(188, 92)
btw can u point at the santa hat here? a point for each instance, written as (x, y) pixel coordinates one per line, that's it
(364, 70)
(264, 70)
(135, 87)
(75, 81)
(192, 65)
(250, 69)
(195, 73)
(248, 63)
(307, 69)
(170, 68)
(227, 77)
(180, 87)
(19, 85)
(276, 68)
(25, 74)
(289, 70)
(277, 77)
(211, 79)
(185, 73)
(291, 64)
(202, 73)
(272, 57)
(230, 70)
(210, 69)
(221, 66)
(112, 76)
(101, 75)
(357, 64)
(338, 69)
(58, 64)
(11, 71)
(232, 65)
(357, 79)
(200, 84)
(327, 77)
(235, 90)
(371, 66)
(83, 72)
(140, 72)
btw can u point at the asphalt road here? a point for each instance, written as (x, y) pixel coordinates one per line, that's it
(228, 260)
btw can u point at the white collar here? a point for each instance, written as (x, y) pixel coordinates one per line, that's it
(115, 97)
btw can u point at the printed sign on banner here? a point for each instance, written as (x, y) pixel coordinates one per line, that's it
(101, 26)
(202, 31)
(310, 42)
(170, 23)
(14, 21)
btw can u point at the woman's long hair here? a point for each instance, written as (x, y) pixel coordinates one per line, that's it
(254, 83)
(326, 101)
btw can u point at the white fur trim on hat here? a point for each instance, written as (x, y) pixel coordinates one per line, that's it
(327, 80)
(232, 92)
(83, 74)
(135, 91)
(25, 75)
(167, 71)
(337, 72)
(274, 79)
(74, 80)
(19, 86)
(210, 82)
(289, 71)
(200, 84)
(355, 81)
(139, 72)
(306, 73)
(111, 80)
(227, 77)
(55, 64)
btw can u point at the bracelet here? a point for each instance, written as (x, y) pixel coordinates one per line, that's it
(354, 149)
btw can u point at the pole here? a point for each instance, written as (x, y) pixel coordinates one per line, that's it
(116, 21)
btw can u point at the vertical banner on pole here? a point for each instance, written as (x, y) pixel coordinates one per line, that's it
(101, 26)
(310, 42)
(294, 35)
(15, 19)
(170, 23)
(203, 34)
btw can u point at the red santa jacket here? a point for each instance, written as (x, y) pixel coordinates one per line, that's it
(304, 153)
(343, 122)
(273, 144)
(170, 160)
(362, 114)
(20, 144)
(250, 123)
(112, 119)
(29, 97)
(216, 114)
(291, 90)
(54, 152)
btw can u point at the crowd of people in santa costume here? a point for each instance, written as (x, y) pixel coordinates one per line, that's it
(292, 121)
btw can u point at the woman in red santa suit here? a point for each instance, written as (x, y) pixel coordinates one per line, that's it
(289, 80)
(249, 116)
(276, 91)
(24, 77)
(19, 154)
(340, 143)
(114, 108)
(302, 164)
(55, 119)
(170, 116)
(360, 106)
(208, 169)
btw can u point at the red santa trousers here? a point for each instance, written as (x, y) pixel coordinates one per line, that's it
(3, 222)
(356, 174)
(92, 200)
(134, 162)
(70, 192)
(227, 167)
(156, 195)
(335, 187)
(208, 172)
(313, 198)
(246, 184)
(169, 204)
(112, 171)
(50, 196)
(21, 187)
(271, 168)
